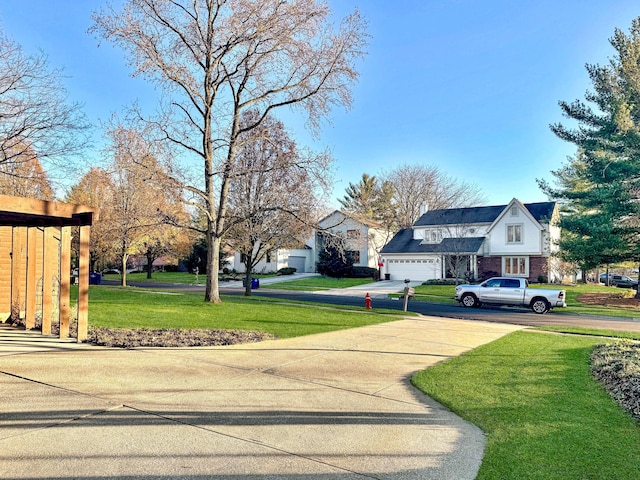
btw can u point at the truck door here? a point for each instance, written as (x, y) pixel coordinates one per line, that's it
(511, 291)
(489, 291)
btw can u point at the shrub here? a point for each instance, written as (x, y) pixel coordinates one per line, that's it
(363, 272)
(225, 271)
(441, 281)
(286, 271)
(543, 279)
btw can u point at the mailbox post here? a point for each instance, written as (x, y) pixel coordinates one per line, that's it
(408, 292)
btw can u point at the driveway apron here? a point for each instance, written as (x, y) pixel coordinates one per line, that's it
(330, 406)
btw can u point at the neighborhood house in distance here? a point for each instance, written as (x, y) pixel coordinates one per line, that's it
(364, 239)
(479, 242)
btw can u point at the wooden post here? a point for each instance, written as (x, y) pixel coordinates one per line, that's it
(83, 288)
(16, 271)
(65, 272)
(30, 316)
(50, 261)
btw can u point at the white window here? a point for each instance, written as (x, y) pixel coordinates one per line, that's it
(514, 211)
(515, 266)
(514, 233)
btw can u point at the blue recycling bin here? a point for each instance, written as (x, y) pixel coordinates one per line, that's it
(94, 278)
(255, 283)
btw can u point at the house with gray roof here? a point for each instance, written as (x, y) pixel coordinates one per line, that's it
(516, 240)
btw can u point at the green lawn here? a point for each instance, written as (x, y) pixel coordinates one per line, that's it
(173, 277)
(137, 308)
(319, 283)
(445, 294)
(160, 277)
(544, 415)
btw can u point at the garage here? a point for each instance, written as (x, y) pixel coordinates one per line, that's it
(299, 263)
(413, 269)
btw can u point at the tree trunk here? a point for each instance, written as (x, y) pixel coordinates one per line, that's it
(123, 276)
(149, 268)
(212, 292)
(247, 277)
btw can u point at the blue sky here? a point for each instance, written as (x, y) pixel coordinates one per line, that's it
(469, 86)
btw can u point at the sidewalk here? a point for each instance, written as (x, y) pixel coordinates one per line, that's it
(332, 406)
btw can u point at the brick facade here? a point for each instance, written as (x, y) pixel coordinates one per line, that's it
(492, 266)
(538, 266)
(489, 267)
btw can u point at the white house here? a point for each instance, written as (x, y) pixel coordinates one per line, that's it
(364, 238)
(512, 240)
(302, 259)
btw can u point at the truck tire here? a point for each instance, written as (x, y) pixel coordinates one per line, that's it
(540, 305)
(469, 300)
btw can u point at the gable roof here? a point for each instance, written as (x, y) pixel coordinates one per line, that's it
(353, 216)
(541, 211)
(403, 242)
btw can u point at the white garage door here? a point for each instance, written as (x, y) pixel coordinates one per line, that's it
(298, 263)
(414, 270)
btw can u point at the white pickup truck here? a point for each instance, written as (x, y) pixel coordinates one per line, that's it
(510, 291)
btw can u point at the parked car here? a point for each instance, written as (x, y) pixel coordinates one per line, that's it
(621, 281)
(510, 291)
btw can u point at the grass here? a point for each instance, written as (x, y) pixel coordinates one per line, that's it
(319, 283)
(160, 277)
(115, 307)
(445, 294)
(544, 415)
(173, 277)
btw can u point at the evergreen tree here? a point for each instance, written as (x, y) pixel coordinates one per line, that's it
(603, 190)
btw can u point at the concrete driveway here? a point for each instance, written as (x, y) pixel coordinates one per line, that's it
(330, 406)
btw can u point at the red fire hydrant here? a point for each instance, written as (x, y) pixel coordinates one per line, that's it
(367, 301)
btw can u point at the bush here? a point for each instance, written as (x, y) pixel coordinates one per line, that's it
(286, 271)
(441, 281)
(363, 272)
(543, 279)
(225, 271)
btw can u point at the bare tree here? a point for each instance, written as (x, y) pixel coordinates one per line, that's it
(214, 59)
(274, 194)
(418, 185)
(25, 177)
(37, 122)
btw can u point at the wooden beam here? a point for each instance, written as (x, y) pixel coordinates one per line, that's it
(65, 273)
(83, 288)
(33, 206)
(32, 281)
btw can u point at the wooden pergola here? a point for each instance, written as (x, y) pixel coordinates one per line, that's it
(35, 262)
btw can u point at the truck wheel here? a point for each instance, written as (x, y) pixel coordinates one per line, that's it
(540, 306)
(469, 300)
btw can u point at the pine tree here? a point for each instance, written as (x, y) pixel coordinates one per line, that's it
(603, 189)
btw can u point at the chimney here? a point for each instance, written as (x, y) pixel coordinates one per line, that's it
(424, 208)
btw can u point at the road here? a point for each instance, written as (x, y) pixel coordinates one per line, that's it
(516, 316)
